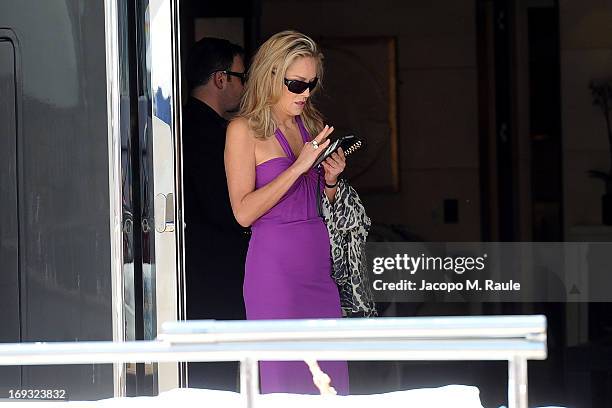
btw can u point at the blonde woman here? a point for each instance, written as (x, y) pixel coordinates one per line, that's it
(269, 153)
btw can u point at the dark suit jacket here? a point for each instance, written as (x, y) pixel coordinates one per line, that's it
(215, 244)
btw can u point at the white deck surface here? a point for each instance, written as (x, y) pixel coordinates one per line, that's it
(455, 396)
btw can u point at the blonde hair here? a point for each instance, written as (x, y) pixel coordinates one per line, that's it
(265, 84)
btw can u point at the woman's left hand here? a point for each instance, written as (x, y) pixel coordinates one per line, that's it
(333, 166)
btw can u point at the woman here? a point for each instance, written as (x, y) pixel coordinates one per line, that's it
(269, 153)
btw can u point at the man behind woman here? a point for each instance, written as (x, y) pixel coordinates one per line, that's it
(215, 244)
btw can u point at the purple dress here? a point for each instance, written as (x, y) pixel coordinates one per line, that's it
(288, 272)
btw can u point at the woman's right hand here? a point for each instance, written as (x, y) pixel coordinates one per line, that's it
(308, 155)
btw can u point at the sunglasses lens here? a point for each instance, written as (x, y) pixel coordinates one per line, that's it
(297, 87)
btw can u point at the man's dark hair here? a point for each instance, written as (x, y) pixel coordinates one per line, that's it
(207, 56)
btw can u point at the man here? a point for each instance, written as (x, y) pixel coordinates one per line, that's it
(215, 244)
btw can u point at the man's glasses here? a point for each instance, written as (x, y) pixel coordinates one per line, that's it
(241, 75)
(298, 87)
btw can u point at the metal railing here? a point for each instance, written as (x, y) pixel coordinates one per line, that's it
(515, 339)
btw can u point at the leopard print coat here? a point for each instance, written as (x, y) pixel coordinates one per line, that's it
(348, 226)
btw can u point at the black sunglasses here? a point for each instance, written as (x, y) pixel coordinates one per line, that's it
(241, 75)
(298, 87)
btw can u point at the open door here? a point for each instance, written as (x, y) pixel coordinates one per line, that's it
(148, 285)
(166, 273)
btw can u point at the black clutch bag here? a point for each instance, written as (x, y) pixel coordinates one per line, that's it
(348, 143)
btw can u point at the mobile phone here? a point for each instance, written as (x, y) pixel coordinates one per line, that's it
(348, 143)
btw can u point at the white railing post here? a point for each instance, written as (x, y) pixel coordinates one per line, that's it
(517, 383)
(249, 381)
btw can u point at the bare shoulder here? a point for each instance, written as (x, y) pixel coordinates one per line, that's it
(239, 141)
(238, 131)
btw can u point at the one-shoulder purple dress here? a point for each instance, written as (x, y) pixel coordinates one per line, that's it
(288, 272)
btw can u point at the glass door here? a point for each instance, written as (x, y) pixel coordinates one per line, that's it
(143, 62)
(163, 298)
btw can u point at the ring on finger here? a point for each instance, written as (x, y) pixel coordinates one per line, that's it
(315, 144)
